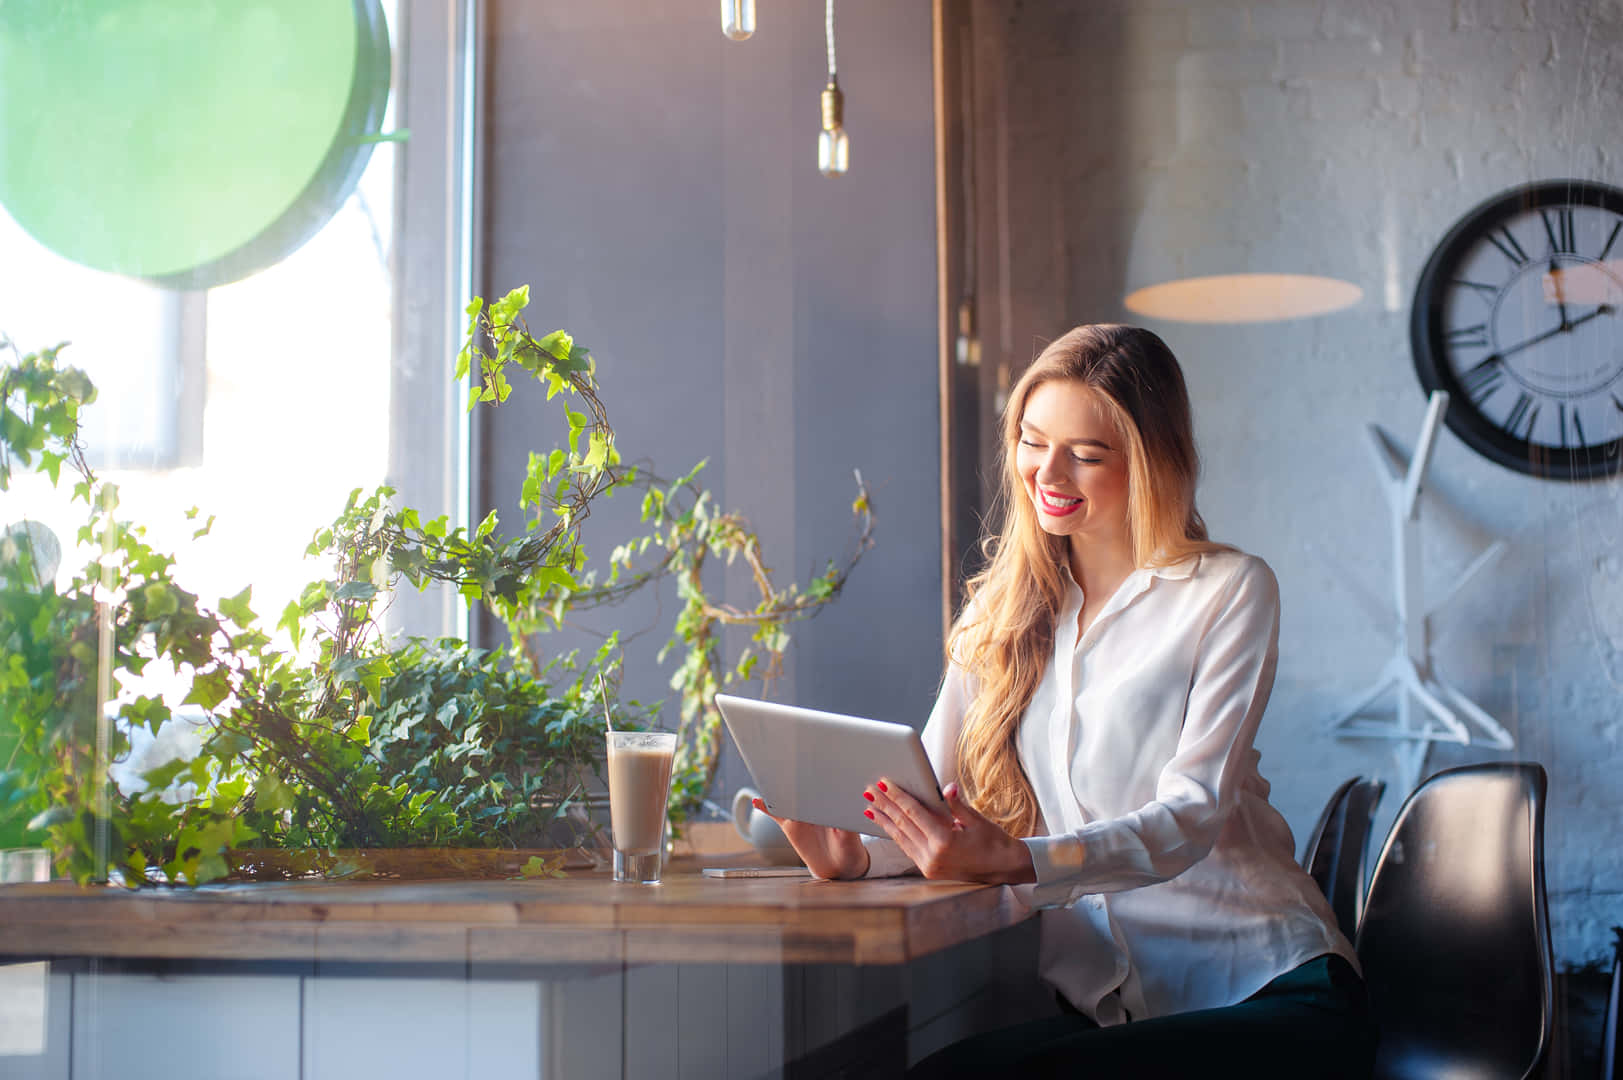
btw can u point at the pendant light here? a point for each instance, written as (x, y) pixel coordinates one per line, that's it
(738, 18)
(833, 148)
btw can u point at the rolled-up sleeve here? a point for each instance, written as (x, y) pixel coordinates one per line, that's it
(1200, 785)
(940, 738)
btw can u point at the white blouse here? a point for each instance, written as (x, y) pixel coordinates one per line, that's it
(1168, 881)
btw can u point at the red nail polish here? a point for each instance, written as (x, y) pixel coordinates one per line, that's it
(868, 795)
(882, 786)
(870, 814)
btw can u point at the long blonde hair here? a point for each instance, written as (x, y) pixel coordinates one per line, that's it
(1005, 634)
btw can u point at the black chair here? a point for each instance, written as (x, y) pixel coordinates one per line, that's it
(1614, 1013)
(1337, 851)
(1455, 939)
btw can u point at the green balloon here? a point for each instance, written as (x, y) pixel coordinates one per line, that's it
(190, 142)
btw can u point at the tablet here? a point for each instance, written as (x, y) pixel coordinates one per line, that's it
(813, 766)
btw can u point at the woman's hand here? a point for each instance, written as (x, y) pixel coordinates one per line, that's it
(963, 847)
(828, 852)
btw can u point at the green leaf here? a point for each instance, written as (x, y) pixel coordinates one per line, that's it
(162, 776)
(236, 607)
(347, 668)
(56, 815)
(209, 688)
(505, 310)
(226, 745)
(577, 424)
(75, 384)
(600, 451)
(271, 794)
(356, 590)
(559, 344)
(160, 600)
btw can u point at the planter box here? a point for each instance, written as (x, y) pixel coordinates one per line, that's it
(400, 864)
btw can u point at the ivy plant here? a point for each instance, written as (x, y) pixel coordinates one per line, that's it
(331, 735)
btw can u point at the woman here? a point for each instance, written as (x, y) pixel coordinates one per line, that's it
(1094, 732)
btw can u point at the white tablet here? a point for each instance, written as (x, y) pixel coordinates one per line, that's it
(813, 766)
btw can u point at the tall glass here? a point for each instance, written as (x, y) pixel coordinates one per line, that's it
(639, 787)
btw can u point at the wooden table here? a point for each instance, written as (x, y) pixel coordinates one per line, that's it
(711, 977)
(582, 918)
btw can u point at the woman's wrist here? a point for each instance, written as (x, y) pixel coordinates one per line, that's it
(1022, 870)
(859, 864)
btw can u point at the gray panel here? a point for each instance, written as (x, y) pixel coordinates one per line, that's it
(656, 185)
(866, 384)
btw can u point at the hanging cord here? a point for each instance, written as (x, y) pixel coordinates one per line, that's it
(828, 26)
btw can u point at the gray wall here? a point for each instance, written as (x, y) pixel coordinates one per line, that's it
(1337, 138)
(656, 185)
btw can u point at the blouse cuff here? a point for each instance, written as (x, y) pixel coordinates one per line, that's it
(1057, 861)
(885, 857)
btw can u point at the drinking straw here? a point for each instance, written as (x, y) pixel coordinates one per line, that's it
(608, 721)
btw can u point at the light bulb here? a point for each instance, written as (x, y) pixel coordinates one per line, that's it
(738, 18)
(833, 152)
(833, 148)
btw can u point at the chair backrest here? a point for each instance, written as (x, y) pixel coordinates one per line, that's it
(1614, 1014)
(1455, 940)
(1337, 852)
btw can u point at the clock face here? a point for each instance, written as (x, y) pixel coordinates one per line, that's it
(1519, 317)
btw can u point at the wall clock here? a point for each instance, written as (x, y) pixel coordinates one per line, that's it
(1519, 316)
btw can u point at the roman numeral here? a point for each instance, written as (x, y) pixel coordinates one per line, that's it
(1487, 292)
(1578, 426)
(1506, 243)
(1610, 240)
(1480, 382)
(1561, 418)
(1559, 231)
(1468, 337)
(1524, 409)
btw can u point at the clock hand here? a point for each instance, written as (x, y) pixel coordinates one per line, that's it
(1560, 298)
(1604, 309)
(1567, 326)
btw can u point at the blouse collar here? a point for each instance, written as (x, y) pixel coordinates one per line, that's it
(1176, 571)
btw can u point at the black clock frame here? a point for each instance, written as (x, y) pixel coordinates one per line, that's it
(1427, 335)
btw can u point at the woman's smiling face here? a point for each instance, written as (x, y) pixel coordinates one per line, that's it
(1072, 463)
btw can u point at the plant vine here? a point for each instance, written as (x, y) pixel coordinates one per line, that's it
(343, 738)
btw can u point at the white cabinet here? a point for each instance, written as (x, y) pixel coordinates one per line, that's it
(185, 1027)
(34, 1022)
(405, 1028)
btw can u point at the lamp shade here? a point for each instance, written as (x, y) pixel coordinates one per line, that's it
(1243, 298)
(1204, 252)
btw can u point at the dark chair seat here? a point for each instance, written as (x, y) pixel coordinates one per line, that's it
(1454, 940)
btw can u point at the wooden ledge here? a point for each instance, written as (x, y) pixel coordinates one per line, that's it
(582, 918)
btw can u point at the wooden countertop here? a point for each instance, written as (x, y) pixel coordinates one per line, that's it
(584, 918)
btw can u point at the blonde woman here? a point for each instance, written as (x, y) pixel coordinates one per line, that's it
(1094, 734)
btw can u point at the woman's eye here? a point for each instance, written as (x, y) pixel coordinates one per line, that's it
(1086, 460)
(1033, 445)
